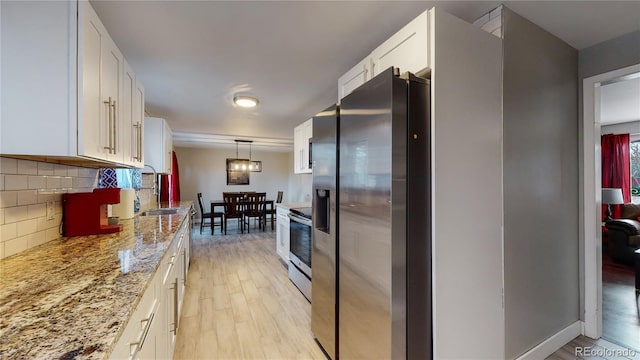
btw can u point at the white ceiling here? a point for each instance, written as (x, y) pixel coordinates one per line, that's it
(192, 56)
(620, 101)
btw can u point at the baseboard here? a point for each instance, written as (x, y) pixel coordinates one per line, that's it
(552, 344)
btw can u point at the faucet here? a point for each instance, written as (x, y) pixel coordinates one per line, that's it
(156, 191)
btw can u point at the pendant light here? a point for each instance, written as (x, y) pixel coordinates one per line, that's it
(238, 164)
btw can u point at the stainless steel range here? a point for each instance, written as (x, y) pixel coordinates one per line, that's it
(300, 249)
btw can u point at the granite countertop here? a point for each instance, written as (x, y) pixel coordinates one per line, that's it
(72, 297)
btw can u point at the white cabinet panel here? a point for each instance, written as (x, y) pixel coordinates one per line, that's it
(408, 49)
(158, 144)
(301, 135)
(67, 107)
(355, 77)
(131, 115)
(282, 233)
(137, 122)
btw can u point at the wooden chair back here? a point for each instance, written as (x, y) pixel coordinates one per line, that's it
(200, 203)
(255, 204)
(233, 205)
(279, 198)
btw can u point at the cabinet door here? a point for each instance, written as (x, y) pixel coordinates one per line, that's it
(408, 49)
(298, 136)
(355, 77)
(301, 136)
(137, 122)
(110, 89)
(169, 309)
(168, 147)
(92, 121)
(282, 237)
(127, 130)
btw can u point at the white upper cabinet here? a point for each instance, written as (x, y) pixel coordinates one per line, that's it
(131, 115)
(137, 122)
(355, 77)
(407, 50)
(301, 135)
(158, 145)
(62, 85)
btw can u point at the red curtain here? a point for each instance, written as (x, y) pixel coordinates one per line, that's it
(170, 184)
(616, 172)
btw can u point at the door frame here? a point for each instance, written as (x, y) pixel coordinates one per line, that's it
(592, 198)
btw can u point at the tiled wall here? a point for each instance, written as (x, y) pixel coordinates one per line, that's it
(25, 188)
(491, 22)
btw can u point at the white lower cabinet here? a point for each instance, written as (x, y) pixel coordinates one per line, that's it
(282, 233)
(138, 341)
(152, 330)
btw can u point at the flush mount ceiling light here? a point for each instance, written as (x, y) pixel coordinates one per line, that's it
(245, 101)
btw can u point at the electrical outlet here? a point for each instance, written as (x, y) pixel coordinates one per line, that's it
(50, 211)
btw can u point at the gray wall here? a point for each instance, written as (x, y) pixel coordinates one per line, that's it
(300, 185)
(610, 55)
(540, 120)
(607, 56)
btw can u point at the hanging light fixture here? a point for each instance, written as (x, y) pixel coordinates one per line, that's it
(238, 164)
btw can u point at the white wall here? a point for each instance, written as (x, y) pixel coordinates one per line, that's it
(632, 127)
(467, 154)
(300, 185)
(204, 170)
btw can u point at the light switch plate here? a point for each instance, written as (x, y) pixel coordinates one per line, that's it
(50, 211)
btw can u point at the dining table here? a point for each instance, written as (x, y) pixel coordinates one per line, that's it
(221, 203)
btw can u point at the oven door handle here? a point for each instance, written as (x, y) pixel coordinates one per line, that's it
(300, 219)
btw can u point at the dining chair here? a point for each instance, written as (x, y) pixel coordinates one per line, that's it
(203, 215)
(272, 212)
(254, 208)
(233, 209)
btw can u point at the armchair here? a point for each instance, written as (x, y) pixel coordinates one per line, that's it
(624, 234)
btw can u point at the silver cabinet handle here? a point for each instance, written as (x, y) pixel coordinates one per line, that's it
(174, 324)
(184, 266)
(143, 335)
(139, 141)
(108, 103)
(114, 129)
(135, 129)
(138, 129)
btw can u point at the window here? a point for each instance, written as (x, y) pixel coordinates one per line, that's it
(634, 154)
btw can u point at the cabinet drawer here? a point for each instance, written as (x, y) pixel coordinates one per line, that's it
(135, 338)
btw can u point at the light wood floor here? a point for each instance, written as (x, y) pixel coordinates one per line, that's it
(240, 304)
(601, 348)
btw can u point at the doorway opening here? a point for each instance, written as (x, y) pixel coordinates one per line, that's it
(617, 318)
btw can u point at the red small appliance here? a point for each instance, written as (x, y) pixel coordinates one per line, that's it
(86, 213)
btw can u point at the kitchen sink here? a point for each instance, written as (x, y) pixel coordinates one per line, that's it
(163, 211)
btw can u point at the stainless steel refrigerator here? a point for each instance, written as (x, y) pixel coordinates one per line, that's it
(371, 222)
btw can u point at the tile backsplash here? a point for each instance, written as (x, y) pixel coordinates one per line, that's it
(25, 188)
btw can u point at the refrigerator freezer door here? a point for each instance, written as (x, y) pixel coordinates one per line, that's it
(384, 251)
(372, 222)
(323, 303)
